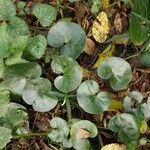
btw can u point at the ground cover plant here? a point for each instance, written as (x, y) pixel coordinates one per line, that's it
(75, 74)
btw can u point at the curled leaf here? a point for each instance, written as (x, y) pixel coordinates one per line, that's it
(70, 73)
(117, 70)
(68, 36)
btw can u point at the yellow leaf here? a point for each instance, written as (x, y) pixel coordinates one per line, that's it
(81, 133)
(108, 52)
(116, 105)
(143, 127)
(114, 146)
(105, 4)
(100, 28)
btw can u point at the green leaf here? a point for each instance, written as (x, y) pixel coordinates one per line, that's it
(4, 41)
(117, 70)
(139, 31)
(15, 59)
(5, 136)
(80, 132)
(70, 73)
(146, 109)
(126, 126)
(46, 14)
(133, 98)
(4, 102)
(2, 66)
(18, 44)
(35, 48)
(144, 56)
(60, 130)
(68, 36)
(90, 100)
(17, 27)
(16, 85)
(37, 94)
(28, 70)
(96, 4)
(7, 10)
(16, 115)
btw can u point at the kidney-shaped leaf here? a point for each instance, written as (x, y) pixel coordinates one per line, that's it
(80, 132)
(5, 136)
(28, 70)
(37, 94)
(71, 73)
(117, 70)
(69, 36)
(126, 126)
(89, 98)
(60, 130)
(46, 14)
(7, 9)
(146, 109)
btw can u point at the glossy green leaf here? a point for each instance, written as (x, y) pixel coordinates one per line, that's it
(7, 10)
(35, 48)
(60, 130)
(46, 14)
(68, 36)
(37, 94)
(4, 41)
(5, 136)
(70, 73)
(4, 102)
(27, 70)
(90, 99)
(126, 126)
(80, 137)
(117, 70)
(139, 31)
(17, 27)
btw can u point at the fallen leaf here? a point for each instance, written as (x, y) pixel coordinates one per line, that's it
(81, 133)
(108, 52)
(118, 23)
(89, 46)
(100, 28)
(114, 146)
(105, 4)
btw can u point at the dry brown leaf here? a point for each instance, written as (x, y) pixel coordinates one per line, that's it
(81, 133)
(89, 46)
(114, 146)
(100, 28)
(118, 23)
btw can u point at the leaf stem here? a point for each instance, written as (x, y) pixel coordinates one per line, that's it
(68, 109)
(31, 134)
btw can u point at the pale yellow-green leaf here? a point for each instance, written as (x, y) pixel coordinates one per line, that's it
(143, 127)
(105, 4)
(114, 146)
(116, 105)
(100, 28)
